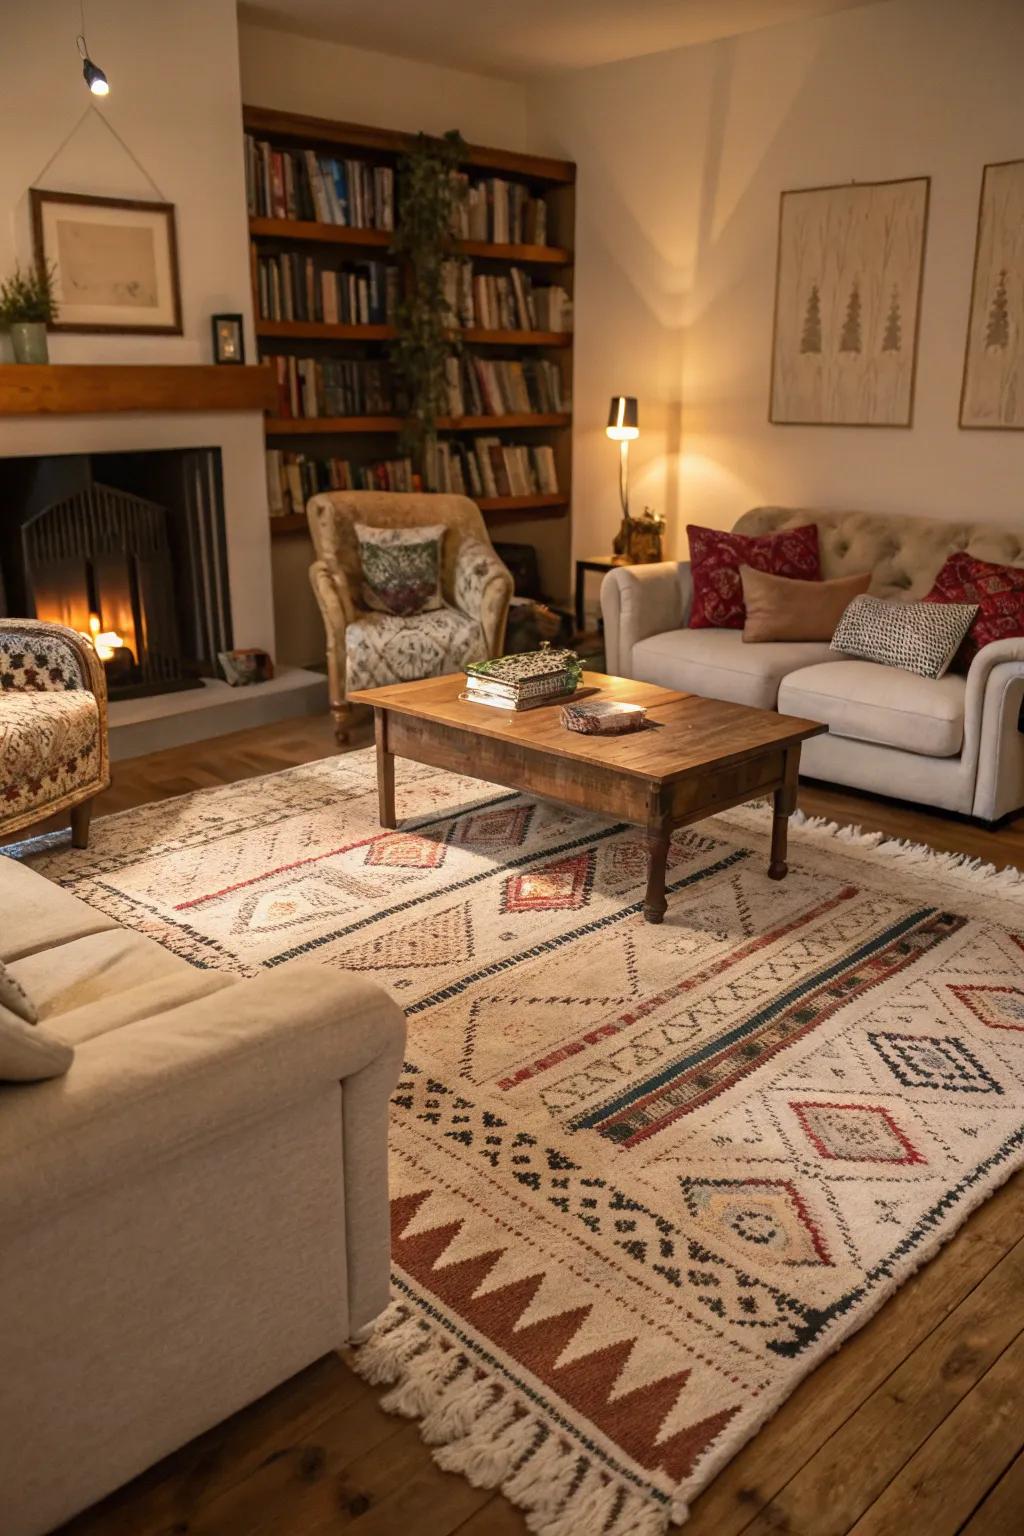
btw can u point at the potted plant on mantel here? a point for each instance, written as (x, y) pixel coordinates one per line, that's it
(27, 307)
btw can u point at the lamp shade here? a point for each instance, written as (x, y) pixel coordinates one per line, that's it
(622, 419)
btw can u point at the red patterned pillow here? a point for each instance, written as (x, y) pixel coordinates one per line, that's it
(997, 589)
(715, 560)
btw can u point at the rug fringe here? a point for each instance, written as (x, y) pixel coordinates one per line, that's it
(488, 1434)
(912, 855)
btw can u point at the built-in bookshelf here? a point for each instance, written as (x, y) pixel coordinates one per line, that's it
(323, 206)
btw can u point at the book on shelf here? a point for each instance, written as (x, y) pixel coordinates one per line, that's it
(294, 286)
(480, 386)
(504, 301)
(303, 184)
(308, 387)
(500, 212)
(491, 468)
(292, 478)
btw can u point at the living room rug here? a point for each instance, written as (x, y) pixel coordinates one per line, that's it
(644, 1178)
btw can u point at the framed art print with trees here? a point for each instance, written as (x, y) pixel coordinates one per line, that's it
(993, 388)
(847, 304)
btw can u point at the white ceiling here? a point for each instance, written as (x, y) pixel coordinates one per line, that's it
(518, 38)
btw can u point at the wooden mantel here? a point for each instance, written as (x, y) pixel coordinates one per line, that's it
(97, 389)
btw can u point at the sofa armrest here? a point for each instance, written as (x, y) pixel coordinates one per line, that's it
(483, 590)
(994, 727)
(41, 657)
(153, 1091)
(642, 600)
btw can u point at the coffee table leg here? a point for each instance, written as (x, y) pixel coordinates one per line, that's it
(785, 805)
(659, 835)
(385, 770)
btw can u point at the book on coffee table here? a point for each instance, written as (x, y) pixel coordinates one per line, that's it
(523, 681)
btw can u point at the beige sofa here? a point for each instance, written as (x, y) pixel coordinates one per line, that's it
(194, 1213)
(953, 742)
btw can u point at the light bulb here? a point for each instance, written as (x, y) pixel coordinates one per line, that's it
(95, 79)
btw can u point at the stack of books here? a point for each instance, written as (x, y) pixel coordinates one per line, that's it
(523, 681)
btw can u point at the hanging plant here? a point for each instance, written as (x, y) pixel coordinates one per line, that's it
(429, 194)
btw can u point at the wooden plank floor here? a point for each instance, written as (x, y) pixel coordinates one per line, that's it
(914, 1428)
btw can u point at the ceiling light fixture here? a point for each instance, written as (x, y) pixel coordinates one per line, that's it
(95, 79)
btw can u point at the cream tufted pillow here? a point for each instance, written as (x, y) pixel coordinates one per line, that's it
(27, 1053)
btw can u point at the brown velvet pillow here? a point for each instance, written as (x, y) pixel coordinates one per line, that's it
(779, 608)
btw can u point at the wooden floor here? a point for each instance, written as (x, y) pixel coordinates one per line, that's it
(914, 1428)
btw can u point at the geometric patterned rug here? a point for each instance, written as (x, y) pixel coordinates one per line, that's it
(643, 1178)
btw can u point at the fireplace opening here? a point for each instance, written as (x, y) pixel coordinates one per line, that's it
(129, 550)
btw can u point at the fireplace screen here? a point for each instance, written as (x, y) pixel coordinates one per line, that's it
(132, 555)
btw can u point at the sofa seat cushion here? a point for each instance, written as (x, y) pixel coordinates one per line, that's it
(381, 648)
(868, 702)
(716, 664)
(93, 970)
(49, 747)
(147, 1000)
(36, 913)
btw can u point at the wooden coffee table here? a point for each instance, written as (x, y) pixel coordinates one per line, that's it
(695, 757)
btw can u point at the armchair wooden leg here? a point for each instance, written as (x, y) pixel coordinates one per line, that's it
(81, 815)
(342, 722)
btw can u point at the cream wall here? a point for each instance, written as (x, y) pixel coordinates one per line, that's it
(328, 79)
(175, 101)
(682, 157)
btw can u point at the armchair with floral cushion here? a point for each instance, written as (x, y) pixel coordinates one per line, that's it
(367, 649)
(53, 726)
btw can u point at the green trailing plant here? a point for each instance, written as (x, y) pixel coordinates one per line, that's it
(429, 193)
(27, 297)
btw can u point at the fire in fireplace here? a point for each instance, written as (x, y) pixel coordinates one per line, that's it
(127, 549)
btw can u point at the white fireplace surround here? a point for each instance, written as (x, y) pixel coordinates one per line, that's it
(238, 435)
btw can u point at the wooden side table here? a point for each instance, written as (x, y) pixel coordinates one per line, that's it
(601, 563)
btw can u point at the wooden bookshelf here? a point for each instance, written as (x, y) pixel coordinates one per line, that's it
(288, 230)
(543, 520)
(301, 426)
(494, 508)
(317, 330)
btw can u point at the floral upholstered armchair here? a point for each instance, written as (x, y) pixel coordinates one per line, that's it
(367, 649)
(53, 726)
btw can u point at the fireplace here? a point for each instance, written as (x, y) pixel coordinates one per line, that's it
(128, 549)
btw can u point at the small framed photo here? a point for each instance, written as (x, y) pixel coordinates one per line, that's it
(114, 260)
(228, 339)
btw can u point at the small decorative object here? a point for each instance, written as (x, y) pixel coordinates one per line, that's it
(246, 666)
(114, 261)
(228, 339)
(523, 681)
(603, 717)
(847, 299)
(623, 426)
(27, 307)
(993, 387)
(639, 539)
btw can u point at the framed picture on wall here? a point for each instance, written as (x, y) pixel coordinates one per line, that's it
(847, 304)
(992, 395)
(115, 262)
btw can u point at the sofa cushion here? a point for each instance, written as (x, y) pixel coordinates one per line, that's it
(716, 664)
(29, 1053)
(998, 591)
(382, 648)
(14, 997)
(37, 913)
(869, 702)
(92, 969)
(147, 1000)
(779, 608)
(715, 560)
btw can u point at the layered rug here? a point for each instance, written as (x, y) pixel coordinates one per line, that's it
(643, 1178)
